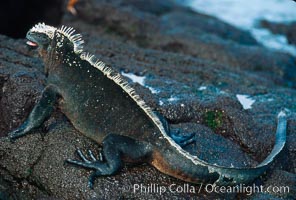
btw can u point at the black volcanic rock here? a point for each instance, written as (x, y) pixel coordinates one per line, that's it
(196, 68)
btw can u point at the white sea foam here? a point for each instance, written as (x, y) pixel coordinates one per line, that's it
(246, 14)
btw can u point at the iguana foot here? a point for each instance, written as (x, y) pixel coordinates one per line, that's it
(182, 140)
(92, 162)
(14, 135)
(19, 132)
(95, 163)
(110, 161)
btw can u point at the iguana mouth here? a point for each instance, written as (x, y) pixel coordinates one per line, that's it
(32, 44)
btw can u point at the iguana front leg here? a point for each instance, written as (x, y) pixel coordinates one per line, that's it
(41, 111)
(115, 147)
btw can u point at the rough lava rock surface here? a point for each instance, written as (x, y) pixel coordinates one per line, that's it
(196, 66)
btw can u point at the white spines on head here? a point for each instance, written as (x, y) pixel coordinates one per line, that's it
(76, 39)
(43, 28)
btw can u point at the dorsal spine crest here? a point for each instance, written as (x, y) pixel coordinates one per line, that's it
(77, 41)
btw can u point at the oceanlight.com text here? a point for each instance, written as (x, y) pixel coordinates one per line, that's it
(206, 188)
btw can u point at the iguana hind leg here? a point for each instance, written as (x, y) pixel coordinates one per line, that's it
(182, 140)
(115, 147)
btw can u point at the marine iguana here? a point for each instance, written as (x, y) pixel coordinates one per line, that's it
(104, 107)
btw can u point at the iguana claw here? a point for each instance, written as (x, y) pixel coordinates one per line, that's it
(94, 164)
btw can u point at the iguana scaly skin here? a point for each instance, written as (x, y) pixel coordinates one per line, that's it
(102, 106)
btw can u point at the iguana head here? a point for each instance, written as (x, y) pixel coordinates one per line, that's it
(40, 36)
(46, 38)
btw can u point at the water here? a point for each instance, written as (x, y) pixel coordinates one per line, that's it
(245, 14)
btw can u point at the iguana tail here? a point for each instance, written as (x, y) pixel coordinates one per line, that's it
(178, 163)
